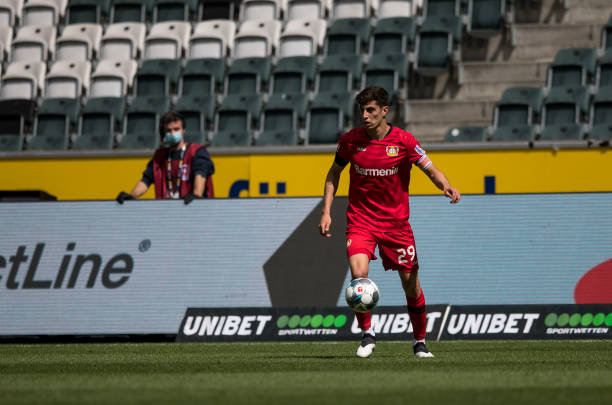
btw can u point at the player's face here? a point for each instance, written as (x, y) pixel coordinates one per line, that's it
(174, 126)
(373, 115)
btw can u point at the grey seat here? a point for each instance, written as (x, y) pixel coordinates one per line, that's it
(348, 36)
(394, 35)
(572, 67)
(339, 73)
(601, 115)
(328, 116)
(389, 71)
(198, 112)
(130, 10)
(175, 10)
(281, 118)
(294, 74)
(563, 112)
(604, 70)
(435, 44)
(157, 77)
(141, 122)
(15, 115)
(219, 9)
(235, 119)
(87, 11)
(100, 119)
(202, 76)
(488, 17)
(248, 75)
(53, 124)
(518, 106)
(606, 35)
(441, 8)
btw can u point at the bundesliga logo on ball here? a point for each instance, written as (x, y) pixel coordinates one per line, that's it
(362, 295)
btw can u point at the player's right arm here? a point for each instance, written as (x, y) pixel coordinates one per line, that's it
(331, 186)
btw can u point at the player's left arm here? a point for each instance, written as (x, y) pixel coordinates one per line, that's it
(439, 179)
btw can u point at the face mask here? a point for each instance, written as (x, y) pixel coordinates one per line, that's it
(173, 138)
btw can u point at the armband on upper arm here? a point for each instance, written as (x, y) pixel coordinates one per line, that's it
(423, 163)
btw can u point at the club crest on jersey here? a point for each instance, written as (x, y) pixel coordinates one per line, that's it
(419, 150)
(392, 150)
(348, 242)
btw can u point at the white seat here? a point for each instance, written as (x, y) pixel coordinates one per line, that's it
(396, 8)
(112, 78)
(79, 42)
(212, 39)
(43, 12)
(302, 38)
(307, 9)
(23, 80)
(6, 37)
(262, 9)
(10, 12)
(68, 78)
(257, 38)
(168, 40)
(33, 43)
(354, 8)
(123, 41)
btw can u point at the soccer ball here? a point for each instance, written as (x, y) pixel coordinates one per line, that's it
(362, 294)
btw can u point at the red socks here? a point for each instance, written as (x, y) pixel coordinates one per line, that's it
(418, 315)
(364, 320)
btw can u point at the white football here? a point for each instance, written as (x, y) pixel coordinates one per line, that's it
(362, 294)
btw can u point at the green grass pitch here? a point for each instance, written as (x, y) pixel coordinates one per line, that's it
(466, 372)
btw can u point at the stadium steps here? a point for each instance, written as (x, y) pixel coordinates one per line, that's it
(552, 11)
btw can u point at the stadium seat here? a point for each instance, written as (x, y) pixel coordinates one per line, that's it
(390, 72)
(295, 74)
(112, 78)
(466, 134)
(604, 70)
(435, 44)
(441, 8)
(516, 133)
(234, 120)
(219, 9)
(488, 17)
(202, 77)
(10, 12)
(257, 38)
(168, 40)
(572, 67)
(348, 35)
(563, 112)
(606, 35)
(175, 10)
(281, 119)
(396, 8)
(53, 123)
(518, 106)
(140, 126)
(130, 11)
(43, 12)
(212, 39)
(33, 44)
(79, 42)
(100, 118)
(394, 35)
(339, 74)
(87, 11)
(353, 8)
(123, 41)
(6, 37)
(23, 80)
(157, 77)
(199, 112)
(248, 76)
(328, 117)
(15, 115)
(262, 9)
(68, 79)
(302, 38)
(601, 115)
(307, 9)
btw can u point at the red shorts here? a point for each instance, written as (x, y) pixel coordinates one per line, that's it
(397, 248)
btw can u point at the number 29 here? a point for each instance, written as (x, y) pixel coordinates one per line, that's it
(409, 251)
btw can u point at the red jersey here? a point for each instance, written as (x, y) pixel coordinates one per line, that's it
(379, 178)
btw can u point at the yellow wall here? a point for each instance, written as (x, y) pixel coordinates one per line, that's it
(515, 171)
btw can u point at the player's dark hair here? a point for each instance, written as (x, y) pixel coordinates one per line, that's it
(373, 93)
(167, 118)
